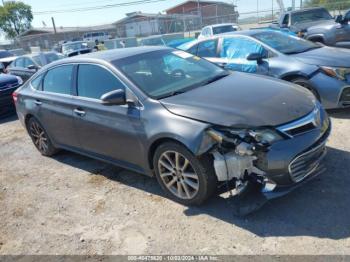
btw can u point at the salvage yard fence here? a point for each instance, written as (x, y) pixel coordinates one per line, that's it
(186, 24)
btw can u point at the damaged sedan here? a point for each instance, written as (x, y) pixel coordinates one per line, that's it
(165, 112)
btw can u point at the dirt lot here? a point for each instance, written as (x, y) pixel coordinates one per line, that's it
(75, 205)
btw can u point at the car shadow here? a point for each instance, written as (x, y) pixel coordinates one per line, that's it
(8, 118)
(342, 113)
(319, 208)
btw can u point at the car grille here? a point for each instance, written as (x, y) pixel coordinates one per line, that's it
(345, 96)
(306, 163)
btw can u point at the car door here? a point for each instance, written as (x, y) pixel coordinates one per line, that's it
(110, 132)
(53, 105)
(208, 49)
(234, 52)
(29, 68)
(17, 67)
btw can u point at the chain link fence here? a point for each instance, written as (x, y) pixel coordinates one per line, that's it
(184, 23)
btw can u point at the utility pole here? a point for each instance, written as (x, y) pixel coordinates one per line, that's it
(301, 4)
(53, 25)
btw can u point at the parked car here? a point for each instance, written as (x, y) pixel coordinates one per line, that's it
(93, 36)
(323, 70)
(8, 84)
(25, 66)
(75, 48)
(157, 110)
(218, 29)
(6, 58)
(158, 40)
(317, 25)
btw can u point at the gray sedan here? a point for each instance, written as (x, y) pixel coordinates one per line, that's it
(323, 70)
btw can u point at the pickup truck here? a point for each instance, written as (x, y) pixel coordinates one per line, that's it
(317, 25)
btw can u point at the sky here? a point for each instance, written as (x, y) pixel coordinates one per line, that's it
(110, 15)
(105, 16)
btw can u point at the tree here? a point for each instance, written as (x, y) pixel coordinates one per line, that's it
(15, 18)
(329, 4)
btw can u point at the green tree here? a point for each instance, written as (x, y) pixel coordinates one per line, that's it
(329, 4)
(15, 18)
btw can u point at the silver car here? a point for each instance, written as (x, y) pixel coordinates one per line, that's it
(323, 70)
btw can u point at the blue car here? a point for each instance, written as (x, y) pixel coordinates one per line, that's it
(325, 71)
(8, 84)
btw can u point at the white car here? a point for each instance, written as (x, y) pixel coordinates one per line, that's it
(217, 29)
(92, 37)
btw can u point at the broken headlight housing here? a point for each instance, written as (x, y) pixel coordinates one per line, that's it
(336, 72)
(265, 135)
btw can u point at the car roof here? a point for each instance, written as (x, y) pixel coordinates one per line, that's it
(111, 55)
(223, 24)
(305, 10)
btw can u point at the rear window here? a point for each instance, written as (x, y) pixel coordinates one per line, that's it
(223, 29)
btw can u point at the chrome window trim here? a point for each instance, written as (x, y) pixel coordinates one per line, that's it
(82, 97)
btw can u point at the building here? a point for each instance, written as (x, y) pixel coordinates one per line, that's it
(211, 12)
(138, 24)
(46, 37)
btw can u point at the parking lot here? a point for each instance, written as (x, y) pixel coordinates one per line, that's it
(71, 204)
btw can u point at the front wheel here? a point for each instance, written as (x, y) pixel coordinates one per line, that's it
(306, 84)
(184, 177)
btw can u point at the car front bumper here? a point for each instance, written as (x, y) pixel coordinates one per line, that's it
(334, 93)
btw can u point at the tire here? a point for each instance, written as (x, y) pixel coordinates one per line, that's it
(40, 138)
(306, 84)
(191, 181)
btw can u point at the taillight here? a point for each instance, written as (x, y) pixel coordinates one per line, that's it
(14, 97)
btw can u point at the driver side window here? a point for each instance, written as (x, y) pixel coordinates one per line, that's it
(347, 16)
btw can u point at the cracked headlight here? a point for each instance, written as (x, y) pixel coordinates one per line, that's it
(336, 72)
(266, 135)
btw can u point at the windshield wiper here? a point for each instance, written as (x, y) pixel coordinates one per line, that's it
(171, 94)
(214, 79)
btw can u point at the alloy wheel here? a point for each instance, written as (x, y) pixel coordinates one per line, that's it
(178, 175)
(39, 137)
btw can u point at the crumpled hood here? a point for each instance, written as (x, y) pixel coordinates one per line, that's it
(304, 26)
(326, 56)
(243, 100)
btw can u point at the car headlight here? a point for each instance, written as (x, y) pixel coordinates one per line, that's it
(265, 135)
(336, 72)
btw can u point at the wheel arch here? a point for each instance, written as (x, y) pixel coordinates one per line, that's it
(159, 141)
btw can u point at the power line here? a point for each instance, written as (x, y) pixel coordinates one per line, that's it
(83, 9)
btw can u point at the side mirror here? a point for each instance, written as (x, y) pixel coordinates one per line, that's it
(32, 67)
(115, 97)
(339, 19)
(258, 57)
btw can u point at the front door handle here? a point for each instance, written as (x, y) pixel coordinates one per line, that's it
(79, 112)
(38, 102)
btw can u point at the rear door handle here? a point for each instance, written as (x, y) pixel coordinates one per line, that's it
(79, 112)
(38, 102)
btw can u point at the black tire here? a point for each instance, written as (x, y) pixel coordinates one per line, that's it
(40, 138)
(201, 167)
(306, 84)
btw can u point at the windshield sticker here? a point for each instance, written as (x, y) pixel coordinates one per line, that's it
(182, 54)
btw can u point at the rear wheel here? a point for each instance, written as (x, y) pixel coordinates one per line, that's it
(306, 83)
(182, 176)
(40, 138)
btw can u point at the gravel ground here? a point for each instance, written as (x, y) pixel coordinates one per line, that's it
(71, 204)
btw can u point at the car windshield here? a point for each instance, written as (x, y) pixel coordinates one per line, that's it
(310, 16)
(168, 72)
(223, 29)
(153, 42)
(284, 43)
(67, 48)
(50, 57)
